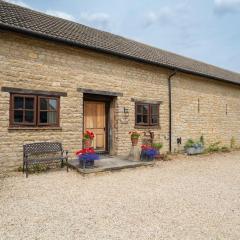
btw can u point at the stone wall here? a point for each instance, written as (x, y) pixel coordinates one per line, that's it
(205, 107)
(40, 65)
(199, 104)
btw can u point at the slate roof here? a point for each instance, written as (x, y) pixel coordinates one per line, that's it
(20, 19)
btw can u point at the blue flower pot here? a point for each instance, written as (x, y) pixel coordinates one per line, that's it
(86, 163)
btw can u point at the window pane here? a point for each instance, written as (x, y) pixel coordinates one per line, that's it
(18, 116)
(139, 118)
(29, 116)
(154, 109)
(154, 119)
(18, 102)
(145, 119)
(48, 117)
(145, 109)
(139, 108)
(52, 104)
(43, 117)
(43, 104)
(52, 117)
(29, 103)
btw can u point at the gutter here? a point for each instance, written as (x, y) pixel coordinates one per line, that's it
(100, 50)
(170, 107)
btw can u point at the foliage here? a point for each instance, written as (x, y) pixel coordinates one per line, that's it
(214, 147)
(157, 146)
(202, 140)
(233, 142)
(194, 144)
(36, 168)
(88, 135)
(134, 134)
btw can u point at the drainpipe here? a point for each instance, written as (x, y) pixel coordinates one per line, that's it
(170, 107)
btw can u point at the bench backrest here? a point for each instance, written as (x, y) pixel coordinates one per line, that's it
(42, 148)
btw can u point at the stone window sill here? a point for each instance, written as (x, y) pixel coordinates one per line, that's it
(147, 127)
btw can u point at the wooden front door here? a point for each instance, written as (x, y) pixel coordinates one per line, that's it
(95, 121)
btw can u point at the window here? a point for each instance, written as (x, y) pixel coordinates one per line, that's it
(147, 114)
(36, 111)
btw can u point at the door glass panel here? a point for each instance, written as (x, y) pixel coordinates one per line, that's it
(29, 103)
(18, 116)
(18, 102)
(29, 116)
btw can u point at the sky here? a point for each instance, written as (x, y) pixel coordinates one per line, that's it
(205, 30)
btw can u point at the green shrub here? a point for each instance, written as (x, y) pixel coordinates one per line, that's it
(214, 147)
(202, 140)
(36, 168)
(157, 146)
(233, 142)
(191, 143)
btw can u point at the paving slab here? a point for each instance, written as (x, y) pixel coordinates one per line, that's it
(109, 164)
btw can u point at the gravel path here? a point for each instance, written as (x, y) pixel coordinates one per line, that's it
(189, 198)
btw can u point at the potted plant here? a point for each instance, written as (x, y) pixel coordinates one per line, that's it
(148, 153)
(194, 147)
(157, 147)
(88, 136)
(86, 157)
(134, 137)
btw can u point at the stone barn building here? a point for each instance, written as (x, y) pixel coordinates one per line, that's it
(59, 78)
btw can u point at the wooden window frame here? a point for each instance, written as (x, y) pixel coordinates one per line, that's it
(57, 111)
(36, 110)
(149, 115)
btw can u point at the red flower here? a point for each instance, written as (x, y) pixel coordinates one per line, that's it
(85, 150)
(89, 135)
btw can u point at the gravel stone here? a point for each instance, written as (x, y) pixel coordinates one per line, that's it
(187, 198)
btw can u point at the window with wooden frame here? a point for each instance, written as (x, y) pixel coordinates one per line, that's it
(34, 111)
(146, 114)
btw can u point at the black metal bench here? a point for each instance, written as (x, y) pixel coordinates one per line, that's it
(43, 153)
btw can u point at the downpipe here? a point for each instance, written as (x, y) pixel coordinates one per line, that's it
(170, 107)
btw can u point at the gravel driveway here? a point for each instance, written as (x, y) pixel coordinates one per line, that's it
(188, 198)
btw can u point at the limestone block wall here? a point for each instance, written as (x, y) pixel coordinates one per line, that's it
(40, 65)
(199, 104)
(205, 107)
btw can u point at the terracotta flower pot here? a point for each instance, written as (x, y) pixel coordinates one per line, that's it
(87, 143)
(134, 141)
